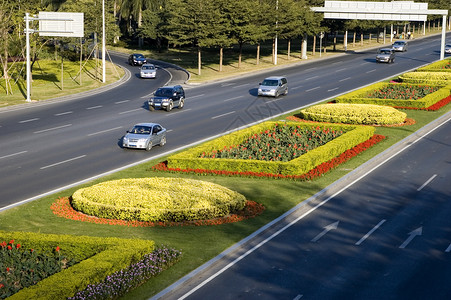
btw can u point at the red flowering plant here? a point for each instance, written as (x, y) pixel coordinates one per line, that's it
(20, 268)
(281, 143)
(314, 173)
(402, 92)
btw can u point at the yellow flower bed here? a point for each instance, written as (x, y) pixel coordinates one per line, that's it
(365, 114)
(157, 199)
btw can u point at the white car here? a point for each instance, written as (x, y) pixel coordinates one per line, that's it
(144, 136)
(448, 49)
(148, 71)
(273, 86)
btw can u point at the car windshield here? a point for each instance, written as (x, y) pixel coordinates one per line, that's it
(270, 82)
(141, 130)
(148, 67)
(163, 93)
(139, 56)
(398, 43)
(385, 51)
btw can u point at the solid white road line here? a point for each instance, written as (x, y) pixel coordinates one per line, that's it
(29, 120)
(53, 128)
(370, 232)
(229, 113)
(103, 131)
(129, 111)
(63, 113)
(14, 154)
(94, 107)
(62, 162)
(426, 183)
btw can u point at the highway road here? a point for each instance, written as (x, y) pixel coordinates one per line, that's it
(385, 234)
(47, 147)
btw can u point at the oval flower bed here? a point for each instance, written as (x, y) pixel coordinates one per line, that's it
(157, 199)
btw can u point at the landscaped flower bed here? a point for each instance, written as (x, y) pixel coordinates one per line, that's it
(62, 208)
(96, 259)
(443, 65)
(22, 267)
(351, 136)
(157, 199)
(400, 95)
(364, 114)
(280, 143)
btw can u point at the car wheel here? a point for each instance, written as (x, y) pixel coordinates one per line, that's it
(163, 141)
(393, 60)
(182, 103)
(169, 107)
(286, 92)
(151, 108)
(149, 146)
(276, 95)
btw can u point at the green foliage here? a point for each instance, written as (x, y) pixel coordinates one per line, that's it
(362, 96)
(432, 77)
(365, 114)
(438, 66)
(191, 159)
(99, 257)
(157, 199)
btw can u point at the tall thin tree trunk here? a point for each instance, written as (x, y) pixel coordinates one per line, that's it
(239, 56)
(314, 45)
(199, 61)
(258, 53)
(289, 49)
(220, 58)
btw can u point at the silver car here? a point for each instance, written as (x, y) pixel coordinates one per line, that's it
(148, 71)
(386, 55)
(273, 86)
(400, 46)
(144, 136)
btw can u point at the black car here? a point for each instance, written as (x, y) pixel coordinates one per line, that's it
(136, 59)
(167, 98)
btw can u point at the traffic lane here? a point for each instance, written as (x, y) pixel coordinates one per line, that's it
(361, 263)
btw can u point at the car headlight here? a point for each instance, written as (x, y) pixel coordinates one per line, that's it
(165, 100)
(151, 101)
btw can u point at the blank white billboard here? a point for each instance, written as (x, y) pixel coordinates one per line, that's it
(364, 10)
(62, 24)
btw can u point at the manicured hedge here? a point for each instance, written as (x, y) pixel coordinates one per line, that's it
(157, 199)
(438, 66)
(431, 78)
(359, 96)
(190, 159)
(99, 257)
(365, 114)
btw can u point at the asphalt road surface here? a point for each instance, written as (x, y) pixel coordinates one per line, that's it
(383, 232)
(47, 147)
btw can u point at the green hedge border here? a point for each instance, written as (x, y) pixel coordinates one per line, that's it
(99, 257)
(190, 159)
(436, 66)
(429, 100)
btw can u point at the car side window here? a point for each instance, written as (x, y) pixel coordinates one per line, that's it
(156, 129)
(284, 81)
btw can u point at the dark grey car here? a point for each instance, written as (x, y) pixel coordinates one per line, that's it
(144, 136)
(167, 98)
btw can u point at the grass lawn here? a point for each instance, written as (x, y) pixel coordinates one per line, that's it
(199, 244)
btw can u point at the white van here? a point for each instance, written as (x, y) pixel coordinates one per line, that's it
(273, 86)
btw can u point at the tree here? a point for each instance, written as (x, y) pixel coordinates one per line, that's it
(192, 22)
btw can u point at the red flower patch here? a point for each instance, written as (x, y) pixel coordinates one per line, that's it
(316, 172)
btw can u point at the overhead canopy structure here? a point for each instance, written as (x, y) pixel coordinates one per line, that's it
(385, 11)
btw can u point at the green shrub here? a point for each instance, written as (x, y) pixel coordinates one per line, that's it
(443, 65)
(360, 96)
(190, 159)
(432, 78)
(157, 199)
(366, 114)
(100, 257)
